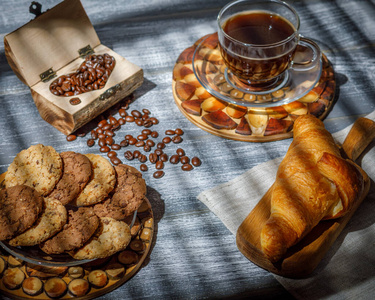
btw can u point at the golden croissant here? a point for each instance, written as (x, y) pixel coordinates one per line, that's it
(313, 183)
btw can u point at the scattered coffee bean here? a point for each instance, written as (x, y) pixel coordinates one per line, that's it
(159, 165)
(128, 155)
(169, 132)
(196, 161)
(177, 139)
(146, 111)
(187, 167)
(142, 158)
(174, 159)
(111, 154)
(101, 142)
(116, 161)
(158, 174)
(167, 140)
(160, 145)
(180, 152)
(143, 167)
(115, 147)
(158, 152)
(184, 159)
(135, 113)
(154, 134)
(94, 134)
(104, 149)
(164, 157)
(136, 154)
(153, 158)
(90, 142)
(71, 137)
(179, 131)
(146, 131)
(124, 143)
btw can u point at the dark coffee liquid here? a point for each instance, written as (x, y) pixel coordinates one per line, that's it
(258, 28)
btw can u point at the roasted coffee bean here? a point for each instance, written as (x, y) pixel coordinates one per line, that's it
(115, 147)
(154, 120)
(90, 142)
(169, 132)
(139, 122)
(177, 139)
(196, 161)
(136, 113)
(136, 154)
(109, 133)
(124, 143)
(147, 123)
(104, 149)
(158, 152)
(140, 143)
(109, 141)
(146, 111)
(101, 142)
(129, 118)
(146, 131)
(158, 174)
(122, 112)
(128, 137)
(101, 136)
(184, 159)
(142, 158)
(159, 165)
(146, 148)
(121, 121)
(116, 161)
(132, 141)
(99, 130)
(154, 134)
(179, 131)
(112, 120)
(94, 134)
(164, 157)
(174, 159)
(107, 127)
(186, 167)
(145, 117)
(111, 154)
(150, 143)
(160, 145)
(142, 137)
(153, 158)
(71, 137)
(129, 155)
(167, 140)
(180, 152)
(143, 167)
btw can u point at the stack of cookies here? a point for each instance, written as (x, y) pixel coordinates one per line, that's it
(69, 203)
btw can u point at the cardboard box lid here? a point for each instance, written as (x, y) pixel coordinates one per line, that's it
(51, 40)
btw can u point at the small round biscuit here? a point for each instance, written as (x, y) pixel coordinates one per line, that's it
(51, 221)
(38, 166)
(112, 236)
(81, 225)
(101, 183)
(76, 173)
(127, 195)
(20, 207)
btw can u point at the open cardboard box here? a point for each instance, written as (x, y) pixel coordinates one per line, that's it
(54, 44)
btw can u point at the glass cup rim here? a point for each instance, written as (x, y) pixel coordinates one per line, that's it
(292, 36)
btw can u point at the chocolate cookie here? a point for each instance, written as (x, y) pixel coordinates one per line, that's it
(38, 166)
(51, 221)
(112, 236)
(20, 207)
(76, 173)
(80, 227)
(101, 183)
(127, 196)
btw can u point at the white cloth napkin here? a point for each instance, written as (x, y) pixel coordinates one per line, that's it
(348, 269)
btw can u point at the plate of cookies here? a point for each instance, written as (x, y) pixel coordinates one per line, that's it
(68, 208)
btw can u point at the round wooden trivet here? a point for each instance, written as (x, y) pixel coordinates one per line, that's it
(108, 273)
(250, 124)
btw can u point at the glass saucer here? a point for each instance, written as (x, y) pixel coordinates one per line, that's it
(214, 76)
(34, 255)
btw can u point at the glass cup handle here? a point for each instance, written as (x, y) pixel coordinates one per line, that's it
(307, 55)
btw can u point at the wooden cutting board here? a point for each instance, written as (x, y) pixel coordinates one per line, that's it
(304, 257)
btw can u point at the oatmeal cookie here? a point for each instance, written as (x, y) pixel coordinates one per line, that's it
(80, 227)
(51, 221)
(112, 236)
(38, 166)
(20, 207)
(101, 183)
(76, 173)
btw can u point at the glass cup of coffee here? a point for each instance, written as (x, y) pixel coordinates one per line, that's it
(259, 41)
